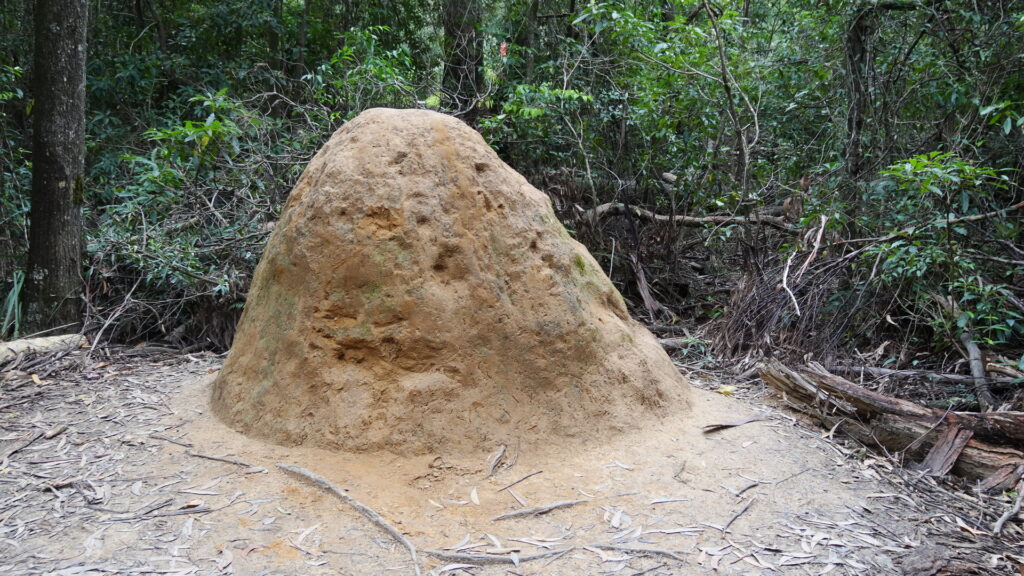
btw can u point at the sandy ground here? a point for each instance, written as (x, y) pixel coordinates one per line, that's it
(126, 489)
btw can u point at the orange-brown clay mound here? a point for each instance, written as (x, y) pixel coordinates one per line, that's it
(418, 295)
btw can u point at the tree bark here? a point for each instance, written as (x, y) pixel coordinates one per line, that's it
(54, 280)
(462, 79)
(299, 62)
(526, 37)
(921, 375)
(978, 446)
(859, 69)
(981, 387)
(272, 29)
(618, 209)
(860, 72)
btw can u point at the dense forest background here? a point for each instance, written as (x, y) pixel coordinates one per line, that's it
(837, 179)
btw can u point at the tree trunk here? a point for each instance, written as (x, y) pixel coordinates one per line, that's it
(859, 65)
(54, 280)
(526, 38)
(860, 73)
(462, 81)
(272, 29)
(299, 62)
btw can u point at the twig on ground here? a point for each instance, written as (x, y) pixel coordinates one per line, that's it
(19, 444)
(495, 461)
(488, 559)
(997, 528)
(216, 458)
(737, 515)
(649, 570)
(537, 510)
(366, 511)
(171, 440)
(506, 487)
(648, 551)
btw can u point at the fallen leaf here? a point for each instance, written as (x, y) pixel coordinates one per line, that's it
(617, 519)
(225, 559)
(717, 427)
(461, 543)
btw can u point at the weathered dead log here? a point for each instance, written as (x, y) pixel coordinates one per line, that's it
(977, 363)
(619, 209)
(995, 427)
(930, 375)
(42, 345)
(977, 446)
(676, 343)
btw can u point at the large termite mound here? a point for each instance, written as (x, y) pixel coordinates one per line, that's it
(419, 295)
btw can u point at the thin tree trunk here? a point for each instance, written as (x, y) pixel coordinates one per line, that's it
(272, 30)
(732, 111)
(462, 80)
(299, 65)
(54, 280)
(529, 38)
(859, 60)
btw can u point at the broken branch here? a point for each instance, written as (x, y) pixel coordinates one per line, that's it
(537, 510)
(618, 209)
(366, 511)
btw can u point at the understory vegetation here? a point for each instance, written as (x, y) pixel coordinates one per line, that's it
(837, 180)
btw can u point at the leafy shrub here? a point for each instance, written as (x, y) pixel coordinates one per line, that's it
(183, 229)
(942, 214)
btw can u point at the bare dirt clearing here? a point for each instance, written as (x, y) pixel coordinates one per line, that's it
(129, 487)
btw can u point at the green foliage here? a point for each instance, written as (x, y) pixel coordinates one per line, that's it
(15, 181)
(364, 73)
(9, 90)
(936, 266)
(10, 327)
(187, 220)
(202, 114)
(1006, 115)
(199, 144)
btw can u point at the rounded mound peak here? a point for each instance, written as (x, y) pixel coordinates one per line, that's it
(420, 295)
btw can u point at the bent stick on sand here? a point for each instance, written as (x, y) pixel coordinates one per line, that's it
(484, 559)
(537, 510)
(366, 511)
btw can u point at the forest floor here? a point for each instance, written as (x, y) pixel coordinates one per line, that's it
(116, 466)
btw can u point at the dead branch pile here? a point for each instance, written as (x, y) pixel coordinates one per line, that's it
(981, 447)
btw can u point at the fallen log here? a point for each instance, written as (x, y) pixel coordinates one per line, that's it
(875, 372)
(977, 446)
(618, 209)
(41, 345)
(670, 344)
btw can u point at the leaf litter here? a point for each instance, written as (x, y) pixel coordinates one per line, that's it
(105, 471)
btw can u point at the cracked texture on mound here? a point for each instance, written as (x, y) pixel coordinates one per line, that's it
(418, 295)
